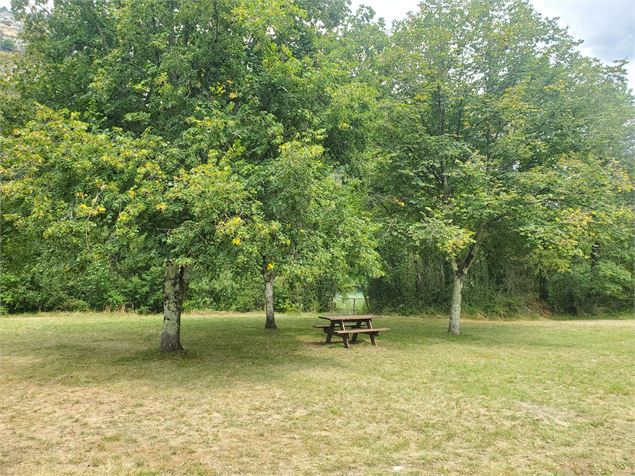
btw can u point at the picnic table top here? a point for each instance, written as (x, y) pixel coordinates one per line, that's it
(366, 317)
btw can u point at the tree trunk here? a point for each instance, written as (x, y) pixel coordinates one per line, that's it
(543, 289)
(455, 308)
(460, 269)
(174, 288)
(270, 323)
(366, 301)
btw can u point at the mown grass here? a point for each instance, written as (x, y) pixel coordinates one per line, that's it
(89, 394)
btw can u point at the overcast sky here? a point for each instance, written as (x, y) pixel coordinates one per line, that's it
(606, 26)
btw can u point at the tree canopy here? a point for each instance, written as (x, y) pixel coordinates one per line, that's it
(490, 125)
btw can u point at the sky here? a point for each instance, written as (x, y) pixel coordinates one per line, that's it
(606, 26)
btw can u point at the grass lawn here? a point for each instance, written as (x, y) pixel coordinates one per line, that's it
(89, 394)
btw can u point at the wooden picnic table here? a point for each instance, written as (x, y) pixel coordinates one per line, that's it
(349, 327)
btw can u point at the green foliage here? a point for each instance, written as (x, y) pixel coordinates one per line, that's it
(490, 130)
(96, 206)
(307, 227)
(298, 141)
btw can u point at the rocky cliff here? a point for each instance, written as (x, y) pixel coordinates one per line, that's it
(9, 31)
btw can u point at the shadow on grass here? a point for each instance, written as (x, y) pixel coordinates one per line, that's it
(412, 331)
(227, 350)
(218, 350)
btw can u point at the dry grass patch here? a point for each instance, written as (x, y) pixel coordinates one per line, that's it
(89, 394)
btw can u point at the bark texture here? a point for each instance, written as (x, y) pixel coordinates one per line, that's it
(270, 322)
(174, 288)
(460, 269)
(455, 307)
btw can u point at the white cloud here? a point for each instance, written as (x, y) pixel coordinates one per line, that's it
(607, 27)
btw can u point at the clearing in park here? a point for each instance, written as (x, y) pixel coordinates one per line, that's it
(89, 394)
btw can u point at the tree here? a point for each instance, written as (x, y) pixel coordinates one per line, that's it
(306, 226)
(302, 143)
(66, 184)
(483, 95)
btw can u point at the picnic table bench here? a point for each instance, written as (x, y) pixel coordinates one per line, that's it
(337, 326)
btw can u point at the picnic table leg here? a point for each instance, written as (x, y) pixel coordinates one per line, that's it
(345, 339)
(329, 332)
(356, 326)
(369, 325)
(372, 338)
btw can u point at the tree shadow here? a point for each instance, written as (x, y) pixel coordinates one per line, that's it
(412, 331)
(215, 351)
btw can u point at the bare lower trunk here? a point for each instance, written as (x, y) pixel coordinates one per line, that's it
(543, 289)
(366, 302)
(271, 320)
(455, 308)
(459, 271)
(174, 288)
